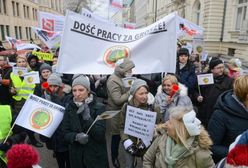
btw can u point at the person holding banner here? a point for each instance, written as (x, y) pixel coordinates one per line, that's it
(33, 62)
(181, 142)
(54, 93)
(166, 97)
(135, 146)
(230, 117)
(117, 96)
(208, 94)
(87, 148)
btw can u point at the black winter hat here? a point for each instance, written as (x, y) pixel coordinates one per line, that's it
(183, 51)
(214, 62)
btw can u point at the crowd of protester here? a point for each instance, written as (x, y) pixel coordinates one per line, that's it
(195, 124)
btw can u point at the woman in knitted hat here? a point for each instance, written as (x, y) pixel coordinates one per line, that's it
(86, 149)
(181, 142)
(185, 71)
(45, 72)
(171, 94)
(53, 91)
(135, 146)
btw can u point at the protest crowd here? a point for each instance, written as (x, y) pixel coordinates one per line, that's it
(196, 117)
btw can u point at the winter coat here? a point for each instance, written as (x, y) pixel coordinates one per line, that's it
(187, 77)
(94, 153)
(117, 96)
(210, 95)
(148, 107)
(199, 155)
(5, 96)
(230, 119)
(56, 142)
(180, 99)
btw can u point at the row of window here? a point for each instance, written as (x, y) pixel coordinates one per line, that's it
(26, 11)
(5, 31)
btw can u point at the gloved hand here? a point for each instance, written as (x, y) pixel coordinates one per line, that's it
(143, 144)
(82, 138)
(130, 147)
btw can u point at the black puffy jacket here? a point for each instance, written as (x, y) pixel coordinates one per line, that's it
(230, 119)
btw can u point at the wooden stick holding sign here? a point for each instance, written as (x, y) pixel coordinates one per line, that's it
(104, 116)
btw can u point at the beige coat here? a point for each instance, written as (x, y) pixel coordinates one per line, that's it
(198, 157)
(117, 94)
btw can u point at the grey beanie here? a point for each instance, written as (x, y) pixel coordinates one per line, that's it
(81, 80)
(45, 66)
(54, 79)
(136, 85)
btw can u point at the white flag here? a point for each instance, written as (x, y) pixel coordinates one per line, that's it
(40, 115)
(50, 38)
(32, 77)
(51, 22)
(205, 79)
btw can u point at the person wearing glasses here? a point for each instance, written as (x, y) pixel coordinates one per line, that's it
(210, 93)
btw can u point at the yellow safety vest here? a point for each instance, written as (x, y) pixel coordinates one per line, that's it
(5, 125)
(22, 88)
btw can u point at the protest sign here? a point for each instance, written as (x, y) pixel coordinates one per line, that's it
(40, 115)
(140, 123)
(43, 56)
(50, 38)
(20, 71)
(51, 22)
(82, 34)
(32, 77)
(205, 79)
(198, 44)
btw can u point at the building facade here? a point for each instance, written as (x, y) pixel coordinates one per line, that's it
(18, 16)
(225, 21)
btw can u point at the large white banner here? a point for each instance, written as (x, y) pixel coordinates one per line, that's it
(50, 38)
(40, 115)
(92, 47)
(140, 123)
(51, 22)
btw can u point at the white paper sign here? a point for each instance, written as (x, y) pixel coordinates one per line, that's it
(140, 123)
(32, 77)
(20, 71)
(152, 49)
(40, 115)
(205, 79)
(128, 81)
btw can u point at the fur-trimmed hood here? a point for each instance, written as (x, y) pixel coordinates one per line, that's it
(183, 89)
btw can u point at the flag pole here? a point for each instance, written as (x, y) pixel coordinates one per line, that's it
(9, 133)
(92, 124)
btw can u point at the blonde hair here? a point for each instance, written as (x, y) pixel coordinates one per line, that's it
(172, 78)
(176, 118)
(240, 87)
